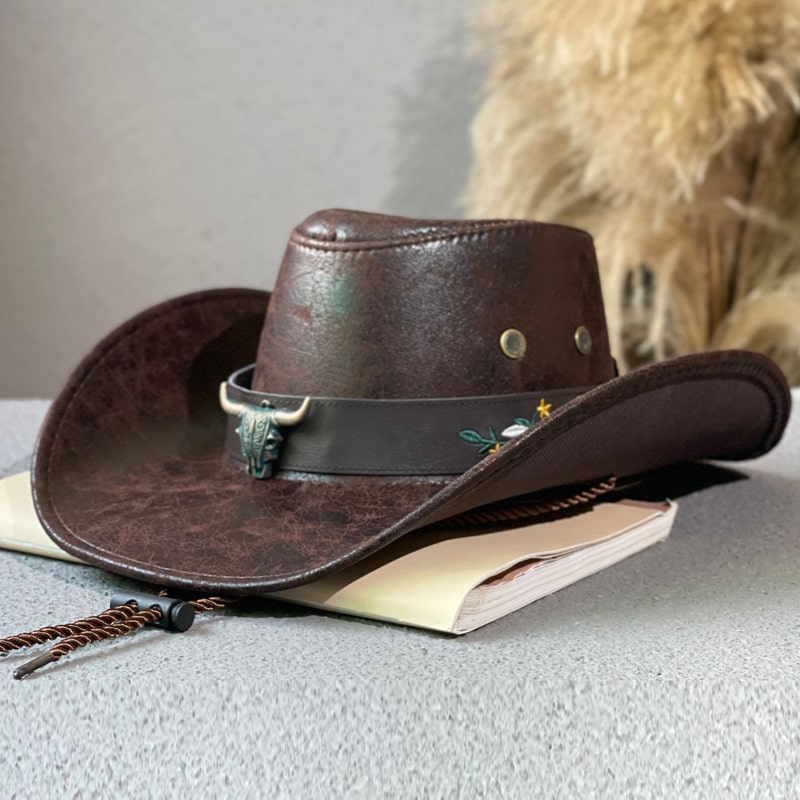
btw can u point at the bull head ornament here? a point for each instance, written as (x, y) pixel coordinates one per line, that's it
(260, 431)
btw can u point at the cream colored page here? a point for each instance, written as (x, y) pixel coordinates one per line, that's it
(19, 526)
(423, 580)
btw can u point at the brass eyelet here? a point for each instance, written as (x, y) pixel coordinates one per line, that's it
(513, 343)
(583, 340)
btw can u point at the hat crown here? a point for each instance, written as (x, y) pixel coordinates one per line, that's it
(375, 306)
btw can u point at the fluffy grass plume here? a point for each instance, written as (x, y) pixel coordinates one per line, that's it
(669, 130)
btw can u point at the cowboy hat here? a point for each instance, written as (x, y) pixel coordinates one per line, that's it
(406, 371)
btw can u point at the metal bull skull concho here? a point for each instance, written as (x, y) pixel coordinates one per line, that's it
(260, 431)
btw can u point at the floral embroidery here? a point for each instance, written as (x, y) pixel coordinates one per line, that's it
(544, 408)
(486, 444)
(491, 443)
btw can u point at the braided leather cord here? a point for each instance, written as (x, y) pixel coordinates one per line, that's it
(81, 626)
(130, 624)
(212, 603)
(115, 622)
(499, 514)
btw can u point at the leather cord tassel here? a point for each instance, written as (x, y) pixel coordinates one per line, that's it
(132, 623)
(115, 622)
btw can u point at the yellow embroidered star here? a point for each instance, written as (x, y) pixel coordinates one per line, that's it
(544, 408)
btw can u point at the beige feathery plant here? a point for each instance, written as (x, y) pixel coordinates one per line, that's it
(669, 129)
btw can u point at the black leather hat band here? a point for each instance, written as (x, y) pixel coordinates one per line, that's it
(429, 436)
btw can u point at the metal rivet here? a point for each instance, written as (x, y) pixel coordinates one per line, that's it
(583, 340)
(512, 343)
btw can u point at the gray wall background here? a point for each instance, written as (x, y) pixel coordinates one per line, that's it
(150, 148)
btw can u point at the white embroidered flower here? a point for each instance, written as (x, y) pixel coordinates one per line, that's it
(514, 430)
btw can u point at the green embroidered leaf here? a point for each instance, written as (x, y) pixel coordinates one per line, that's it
(473, 437)
(524, 422)
(493, 435)
(486, 448)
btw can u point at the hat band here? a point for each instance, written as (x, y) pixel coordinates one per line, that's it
(429, 436)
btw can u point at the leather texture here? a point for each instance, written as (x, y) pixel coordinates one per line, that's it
(130, 471)
(345, 436)
(373, 306)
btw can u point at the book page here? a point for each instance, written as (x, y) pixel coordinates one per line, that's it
(20, 528)
(423, 578)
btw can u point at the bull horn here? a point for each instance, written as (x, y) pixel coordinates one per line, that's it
(228, 406)
(289, 418)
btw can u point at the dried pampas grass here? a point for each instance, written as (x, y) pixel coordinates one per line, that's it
(669, 129)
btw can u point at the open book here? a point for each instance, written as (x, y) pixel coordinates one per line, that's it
(453, 581)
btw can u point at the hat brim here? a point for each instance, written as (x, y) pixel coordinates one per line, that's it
(130, 471)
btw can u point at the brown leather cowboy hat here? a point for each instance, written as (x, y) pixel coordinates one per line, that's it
(450, 365)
